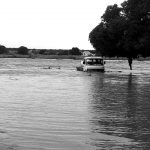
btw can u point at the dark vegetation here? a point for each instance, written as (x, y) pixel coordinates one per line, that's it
(23, 51)
(3, 50)
(73, 51)
(123, 31)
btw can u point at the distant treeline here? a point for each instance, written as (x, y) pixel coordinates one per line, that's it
(22, 50)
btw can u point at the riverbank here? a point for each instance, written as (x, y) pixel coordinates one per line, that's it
(78, 57)
(41, 56)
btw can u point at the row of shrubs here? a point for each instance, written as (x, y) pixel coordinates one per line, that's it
(25, 51)
(21, 50)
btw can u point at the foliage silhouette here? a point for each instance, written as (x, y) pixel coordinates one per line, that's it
(3, 49)
(123, 31)
(75, 51)
(23, 50)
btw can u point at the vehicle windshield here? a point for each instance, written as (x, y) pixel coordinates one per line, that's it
(94, 61)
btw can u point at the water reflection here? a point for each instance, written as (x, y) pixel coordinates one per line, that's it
(131, 105)
(120, 117)
(138, 115)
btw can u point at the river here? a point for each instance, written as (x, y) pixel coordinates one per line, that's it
(64, 109)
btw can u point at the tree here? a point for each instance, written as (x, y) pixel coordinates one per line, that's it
(123, 31)
(3, 49)
(106, 37)
(75, 51)
(138, 30)
(23, 50)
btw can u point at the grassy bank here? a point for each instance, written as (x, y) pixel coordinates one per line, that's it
(41, 56)
(58, 56)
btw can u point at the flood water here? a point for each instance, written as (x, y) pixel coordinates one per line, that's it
(64, 109)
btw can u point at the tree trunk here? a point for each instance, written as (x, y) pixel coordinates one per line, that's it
(130, 62)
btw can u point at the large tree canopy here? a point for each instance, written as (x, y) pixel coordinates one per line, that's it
(123, 31)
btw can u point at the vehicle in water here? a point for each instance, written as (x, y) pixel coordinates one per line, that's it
(94, 63)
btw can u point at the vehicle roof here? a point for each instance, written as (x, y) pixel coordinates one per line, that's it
(93, 57)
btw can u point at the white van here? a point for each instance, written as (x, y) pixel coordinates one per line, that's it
(92, 63)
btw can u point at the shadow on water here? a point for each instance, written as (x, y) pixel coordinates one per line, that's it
(120, 116)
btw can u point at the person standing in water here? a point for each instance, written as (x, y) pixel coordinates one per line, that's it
(130, 62)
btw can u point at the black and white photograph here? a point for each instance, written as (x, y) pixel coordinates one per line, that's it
(74, 74)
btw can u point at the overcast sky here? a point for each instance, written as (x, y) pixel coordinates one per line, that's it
(50, 24)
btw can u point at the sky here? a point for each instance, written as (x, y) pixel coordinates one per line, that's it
(50, 24)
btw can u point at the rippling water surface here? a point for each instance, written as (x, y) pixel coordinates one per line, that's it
(64, 109)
